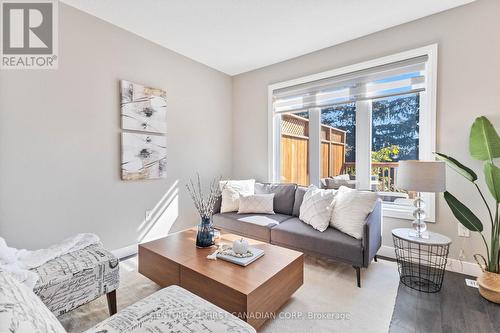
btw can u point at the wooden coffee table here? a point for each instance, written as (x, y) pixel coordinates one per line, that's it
(254, 293)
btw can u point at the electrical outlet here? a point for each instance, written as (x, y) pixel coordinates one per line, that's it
(471, 283)
(463, 231)
(461, 255)
(147, 214)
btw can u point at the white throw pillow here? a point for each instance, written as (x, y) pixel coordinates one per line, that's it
(230, 200)
(231, 191)
(256, 204)
(316, 208)
(350, 210)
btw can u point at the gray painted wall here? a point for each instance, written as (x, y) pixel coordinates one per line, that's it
(60, 143)
(468, 86)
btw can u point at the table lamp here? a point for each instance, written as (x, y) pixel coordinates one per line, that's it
(421, 176)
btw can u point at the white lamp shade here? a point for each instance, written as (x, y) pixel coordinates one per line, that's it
(422, 176)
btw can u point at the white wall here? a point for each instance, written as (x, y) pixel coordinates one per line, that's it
(468, 86)
(59, 130)
(60, 138)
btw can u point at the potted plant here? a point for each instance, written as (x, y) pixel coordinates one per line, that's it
(484, 145)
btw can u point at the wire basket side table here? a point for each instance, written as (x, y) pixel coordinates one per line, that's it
(421, 262)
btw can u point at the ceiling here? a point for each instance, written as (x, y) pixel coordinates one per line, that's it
(236, 36)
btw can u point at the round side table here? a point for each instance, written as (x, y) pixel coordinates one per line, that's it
(421, 262)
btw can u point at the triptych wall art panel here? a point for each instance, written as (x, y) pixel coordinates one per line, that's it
(144, 156)
(143, 108)
(144, 119)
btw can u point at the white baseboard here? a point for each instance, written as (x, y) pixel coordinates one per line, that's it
(452, 265)
(125, 251)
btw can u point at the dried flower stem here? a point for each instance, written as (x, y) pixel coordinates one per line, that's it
(204, 205)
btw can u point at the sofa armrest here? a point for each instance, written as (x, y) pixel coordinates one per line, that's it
(372, 234)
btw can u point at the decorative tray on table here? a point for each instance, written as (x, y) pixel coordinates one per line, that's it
(252, 254)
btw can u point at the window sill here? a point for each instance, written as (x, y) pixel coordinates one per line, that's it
(398, 212)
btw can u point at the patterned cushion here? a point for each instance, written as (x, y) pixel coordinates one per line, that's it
(256, 204)
(351, 210)
(22, 311)
(172, 309)
(77, 278)
(316, 208)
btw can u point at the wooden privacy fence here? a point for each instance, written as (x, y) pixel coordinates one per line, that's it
(295, 150)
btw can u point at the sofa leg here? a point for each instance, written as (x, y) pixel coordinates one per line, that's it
(358, 275)
(375, 258)
(111, 296)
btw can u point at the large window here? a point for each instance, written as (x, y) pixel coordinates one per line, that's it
(352, 126)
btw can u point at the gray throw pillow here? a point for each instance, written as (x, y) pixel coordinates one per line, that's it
(299, 197)
(284, 195)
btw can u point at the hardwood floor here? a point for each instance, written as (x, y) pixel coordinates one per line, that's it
(456, 308)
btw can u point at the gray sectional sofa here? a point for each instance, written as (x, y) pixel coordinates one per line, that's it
(285, 229)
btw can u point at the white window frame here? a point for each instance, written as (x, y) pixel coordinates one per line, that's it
(427, 117)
